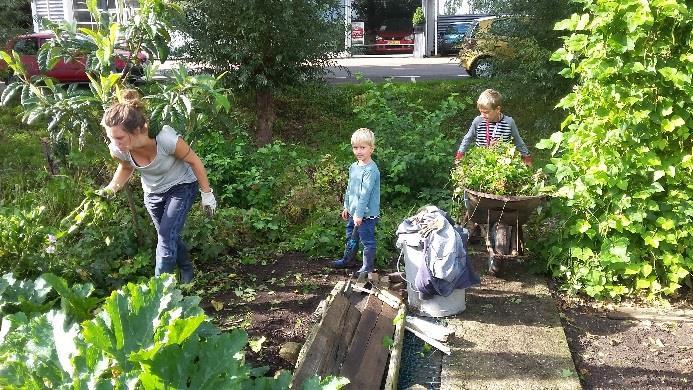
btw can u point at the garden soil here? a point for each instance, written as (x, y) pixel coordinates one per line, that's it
(275, 300)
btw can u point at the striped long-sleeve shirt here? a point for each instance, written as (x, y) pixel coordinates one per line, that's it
(482, 133)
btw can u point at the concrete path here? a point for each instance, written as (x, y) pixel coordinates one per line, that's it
(509, 337)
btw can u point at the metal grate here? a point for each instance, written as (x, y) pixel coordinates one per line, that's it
(418, 366)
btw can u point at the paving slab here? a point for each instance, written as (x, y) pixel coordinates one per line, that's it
(510, 335)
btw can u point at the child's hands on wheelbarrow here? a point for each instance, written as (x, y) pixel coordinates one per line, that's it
(458, 157)
(527, 160)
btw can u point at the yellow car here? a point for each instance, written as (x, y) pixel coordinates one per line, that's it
(487, 38)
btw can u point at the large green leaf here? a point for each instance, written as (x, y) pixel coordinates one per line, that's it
(24, 296)
(132, 316)
(10, 92)
(215, 362)
(75, 300)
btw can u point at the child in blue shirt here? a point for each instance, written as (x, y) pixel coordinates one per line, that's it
(362, 199)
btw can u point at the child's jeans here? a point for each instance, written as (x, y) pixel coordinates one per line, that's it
(367, 238)
(169, 211)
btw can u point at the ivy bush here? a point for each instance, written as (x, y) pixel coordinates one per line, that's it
(623, 161)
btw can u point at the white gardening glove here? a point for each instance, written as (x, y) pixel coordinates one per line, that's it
(107, 192)
(209, 203)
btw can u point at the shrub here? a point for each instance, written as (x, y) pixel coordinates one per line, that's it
(418, 17)
(24, 241)
(412, 152)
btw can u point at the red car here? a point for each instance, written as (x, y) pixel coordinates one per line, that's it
(395, 36)
(27, 47)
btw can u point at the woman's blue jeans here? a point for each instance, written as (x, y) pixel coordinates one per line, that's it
(367, 238)
(168, 211)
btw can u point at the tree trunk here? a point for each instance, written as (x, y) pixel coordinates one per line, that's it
(264, 107)
(133, 211)
(51, 165)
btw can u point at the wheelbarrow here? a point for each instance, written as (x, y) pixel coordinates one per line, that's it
(503, 217)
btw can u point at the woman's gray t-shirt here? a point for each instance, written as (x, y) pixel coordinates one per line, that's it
(165, 171)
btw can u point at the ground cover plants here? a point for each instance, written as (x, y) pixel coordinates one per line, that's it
(145, 335)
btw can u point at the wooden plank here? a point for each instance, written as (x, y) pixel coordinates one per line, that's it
(345, 334)
(396, 353)
(323, 341)
(431, 341)
(374, 362)
(355, 355)
(319, 313)
(384, 295)
(432, 330)
(635, 313)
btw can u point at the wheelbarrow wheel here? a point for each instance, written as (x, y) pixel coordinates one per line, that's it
(493, 266)
(500, 244)
(501, 239)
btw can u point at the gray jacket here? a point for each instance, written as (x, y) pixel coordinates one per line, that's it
(445, 253)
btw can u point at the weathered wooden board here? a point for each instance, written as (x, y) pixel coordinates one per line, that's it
(430, 329)
(324, 340)
(348, 341)
(352, 362)
(396, 352)
(374, 361)
(333, 362)
(634, 313)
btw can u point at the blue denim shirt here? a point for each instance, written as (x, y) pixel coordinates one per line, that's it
(362, 197)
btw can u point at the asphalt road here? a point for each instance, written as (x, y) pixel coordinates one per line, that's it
(403, 68)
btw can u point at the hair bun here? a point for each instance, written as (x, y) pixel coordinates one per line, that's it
(132, 98)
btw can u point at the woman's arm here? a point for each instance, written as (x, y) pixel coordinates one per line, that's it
(121, 176)
(184, 152)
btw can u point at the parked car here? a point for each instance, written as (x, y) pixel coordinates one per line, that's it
(452, 37)
(27, 46)
(395, 36)
(486, 39)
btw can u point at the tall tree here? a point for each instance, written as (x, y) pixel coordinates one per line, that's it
(532, 36)
(265, 45)
(15, 18)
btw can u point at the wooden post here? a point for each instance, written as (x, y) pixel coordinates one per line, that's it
(51, 166)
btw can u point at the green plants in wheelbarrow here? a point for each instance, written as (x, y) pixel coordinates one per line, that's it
(495, 170)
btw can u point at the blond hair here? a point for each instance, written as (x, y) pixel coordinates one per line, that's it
(127, 112)
(363, 135)
(490, 99)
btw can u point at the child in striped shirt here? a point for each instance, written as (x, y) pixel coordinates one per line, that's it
(492, 126)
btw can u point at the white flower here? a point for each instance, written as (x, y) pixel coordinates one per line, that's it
(50, 249)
